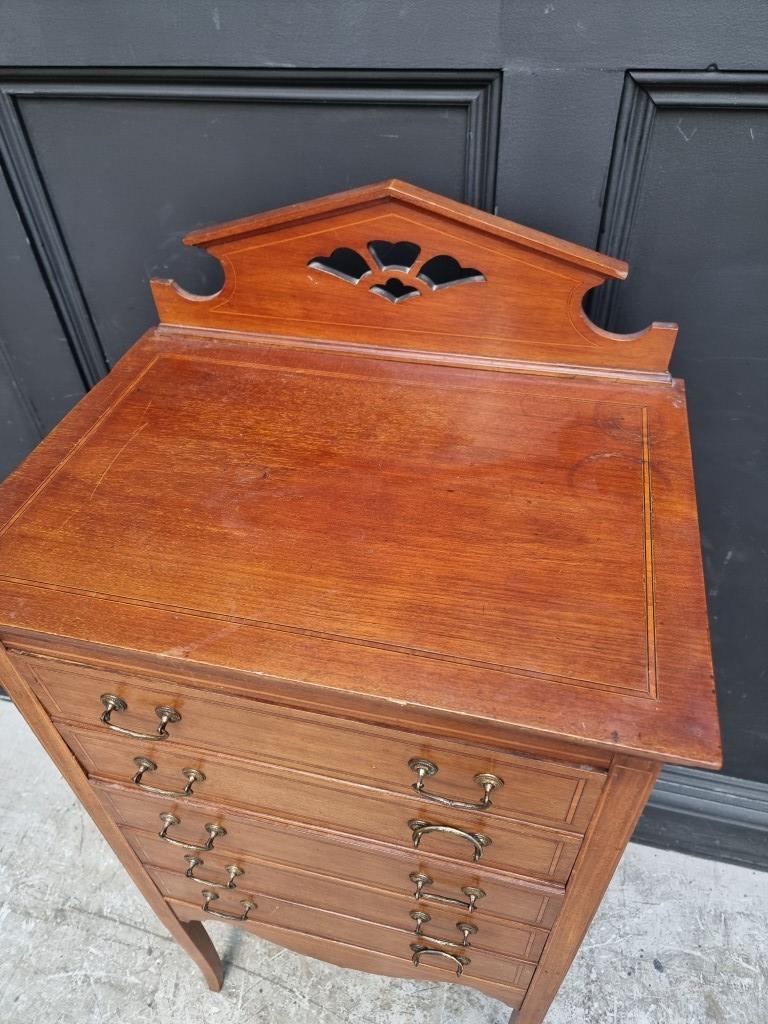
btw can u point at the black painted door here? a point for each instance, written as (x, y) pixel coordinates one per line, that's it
(123, 126)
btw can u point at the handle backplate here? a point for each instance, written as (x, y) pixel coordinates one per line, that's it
(233, 872)
(421, 881)
(168, 820)
(426, 769)
(144, 765)
(114, 704)
(209, 897)
(467, 930)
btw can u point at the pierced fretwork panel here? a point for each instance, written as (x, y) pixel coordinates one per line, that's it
(396, 242)
(433, 274)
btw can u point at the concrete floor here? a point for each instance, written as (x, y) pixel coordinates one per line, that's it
(677, 940)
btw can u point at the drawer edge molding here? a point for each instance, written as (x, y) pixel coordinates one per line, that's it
(260, 878)
(231, 688)
(107, 788)
(411, 801)
(574, 789)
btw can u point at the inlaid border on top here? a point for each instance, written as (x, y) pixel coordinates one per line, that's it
(477, 92)
(651, 692)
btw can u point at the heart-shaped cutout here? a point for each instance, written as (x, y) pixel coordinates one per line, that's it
(394, 255)
(445, 271)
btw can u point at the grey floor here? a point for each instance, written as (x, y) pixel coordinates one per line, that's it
(677, 941)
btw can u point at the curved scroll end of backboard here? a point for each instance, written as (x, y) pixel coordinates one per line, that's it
(177, 306)
(650, 349)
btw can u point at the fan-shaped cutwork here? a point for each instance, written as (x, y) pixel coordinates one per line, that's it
(394, 255)
(438, 272)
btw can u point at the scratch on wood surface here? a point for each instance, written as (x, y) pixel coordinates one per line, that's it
(184, 650)
(116, 456)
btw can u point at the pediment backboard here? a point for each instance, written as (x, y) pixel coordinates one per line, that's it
(396, 267)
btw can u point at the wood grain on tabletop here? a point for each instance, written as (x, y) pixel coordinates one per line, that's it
(475, 542)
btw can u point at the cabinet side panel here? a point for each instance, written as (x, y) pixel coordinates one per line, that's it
(629, 785)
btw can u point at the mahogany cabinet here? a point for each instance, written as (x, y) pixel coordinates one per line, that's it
(361, 603)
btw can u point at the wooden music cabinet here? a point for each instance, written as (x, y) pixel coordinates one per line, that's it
(362, 601)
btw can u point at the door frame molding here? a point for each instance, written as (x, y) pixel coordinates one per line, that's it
(693, 811)
(643, 94)
(478, 92)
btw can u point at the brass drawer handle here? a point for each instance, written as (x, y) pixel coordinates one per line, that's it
(112, 703)
(464, 927)
(232, 870)
(424, 828)
(420, 951)
(192, 775)
(214, 831)
(472, 893)
(247, 905)
(426, 769)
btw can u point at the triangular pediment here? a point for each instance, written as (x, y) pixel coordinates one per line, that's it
(399, 268)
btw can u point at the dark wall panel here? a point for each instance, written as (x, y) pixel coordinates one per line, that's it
(36, 390)
(688, 207)
(128, 169)
(18, 426)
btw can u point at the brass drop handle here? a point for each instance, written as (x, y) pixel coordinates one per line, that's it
(420, 829)
(143, 764)
(426, 769)
(466, 929)
(214, 831)
(233, 871)
(112, 703)
(419, 951)
(421, 881)
(247, 905)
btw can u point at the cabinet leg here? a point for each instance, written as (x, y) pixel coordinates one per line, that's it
(196, 942)
(629, 784)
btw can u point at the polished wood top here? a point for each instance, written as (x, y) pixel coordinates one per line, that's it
(496, 542)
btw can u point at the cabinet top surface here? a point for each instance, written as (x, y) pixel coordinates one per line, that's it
(493, 542)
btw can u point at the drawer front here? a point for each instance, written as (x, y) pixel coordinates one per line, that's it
(260, 878)
(357, 957)
(315, 800)
(534, 789)
(332, 854)
(343, 928)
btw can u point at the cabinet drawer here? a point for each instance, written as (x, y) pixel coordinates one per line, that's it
(356, 957)
(351, 929)
(342, 896)
(332, 854)
(346, 807)
(534, 789)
